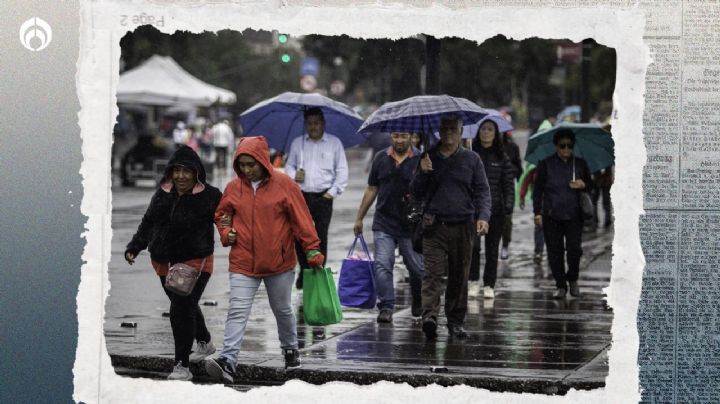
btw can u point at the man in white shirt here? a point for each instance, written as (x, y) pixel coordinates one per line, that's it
(317, 163)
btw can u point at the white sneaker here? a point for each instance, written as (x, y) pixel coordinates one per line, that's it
(204, 349)
(488, 292)
(180, 372)
(504, 253)
(473, 288)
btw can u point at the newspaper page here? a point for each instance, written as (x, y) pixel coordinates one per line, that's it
(665, 330)
(677, 321)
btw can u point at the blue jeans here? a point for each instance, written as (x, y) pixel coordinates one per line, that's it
(242, 295)
(385, 245)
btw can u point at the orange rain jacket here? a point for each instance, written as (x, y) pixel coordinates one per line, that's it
(267, 221)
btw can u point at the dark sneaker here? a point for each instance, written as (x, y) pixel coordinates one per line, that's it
(457, 331)
(292, 359)
(560, 293)
(220, 370)
(416, 309)
(574, 289)
(385, 316)
(537, 258)
(318, 333)
(430, 328)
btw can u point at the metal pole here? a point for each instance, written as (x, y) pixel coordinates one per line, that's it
(432, 61)
(585, 102)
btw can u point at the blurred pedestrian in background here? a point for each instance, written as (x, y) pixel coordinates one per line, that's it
(261, 214)
(389, 181)
(180, 134)
(527, 184)
(205, 142)
(317, 162)
(602, 182)
(500, 175)
(556, 203)
(417, 140)
(178, 228)
(513, 152)
(223, 141)
(458, 208)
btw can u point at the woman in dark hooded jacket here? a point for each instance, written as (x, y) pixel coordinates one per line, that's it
(500, 173)
(178, 227)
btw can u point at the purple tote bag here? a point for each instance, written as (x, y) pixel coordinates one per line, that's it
(356, 286)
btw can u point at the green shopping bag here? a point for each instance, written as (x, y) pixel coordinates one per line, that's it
(321, 305)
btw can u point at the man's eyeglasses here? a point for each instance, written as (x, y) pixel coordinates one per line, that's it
(565, 145)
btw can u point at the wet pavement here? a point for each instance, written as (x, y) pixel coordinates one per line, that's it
(520, 341)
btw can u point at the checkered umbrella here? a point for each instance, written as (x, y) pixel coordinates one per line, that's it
(280, 119)
(420, 114)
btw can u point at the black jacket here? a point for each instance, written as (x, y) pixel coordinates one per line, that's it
(513, 152)
(177, 228)
(499, 173)
(552, 195)
(462, 192)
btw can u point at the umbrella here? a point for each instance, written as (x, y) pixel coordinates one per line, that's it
(280, 119)
(571, 113)
(470, 131)
(420, 114)
(592, 143)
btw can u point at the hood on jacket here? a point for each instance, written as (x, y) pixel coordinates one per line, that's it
(257, 148)
(186, 157)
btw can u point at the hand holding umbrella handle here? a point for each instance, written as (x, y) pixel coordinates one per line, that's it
(426, 164)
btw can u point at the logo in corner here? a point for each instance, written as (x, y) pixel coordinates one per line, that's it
(35, 34)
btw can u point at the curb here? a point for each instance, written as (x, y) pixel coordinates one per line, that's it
(313, 373)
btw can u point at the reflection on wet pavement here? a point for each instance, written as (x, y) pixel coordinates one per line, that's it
(522, 333)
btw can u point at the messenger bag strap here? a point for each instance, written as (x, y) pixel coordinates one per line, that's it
(436, 177)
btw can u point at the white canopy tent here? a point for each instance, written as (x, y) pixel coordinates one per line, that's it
(161, 81)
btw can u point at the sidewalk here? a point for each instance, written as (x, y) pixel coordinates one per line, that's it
(522, 341)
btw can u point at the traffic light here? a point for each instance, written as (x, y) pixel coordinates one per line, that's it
(282, 41)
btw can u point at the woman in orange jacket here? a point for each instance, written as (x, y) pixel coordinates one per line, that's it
(261, 213)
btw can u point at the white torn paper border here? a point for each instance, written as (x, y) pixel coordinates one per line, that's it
(102, 27)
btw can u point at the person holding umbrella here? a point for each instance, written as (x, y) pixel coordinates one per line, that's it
(556, 203)
(178, 228)
(317, 162)
(453, 184)
(500, 173)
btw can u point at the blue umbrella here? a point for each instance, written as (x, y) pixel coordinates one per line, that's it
(420, 114)
(280, 119)
(592, 143)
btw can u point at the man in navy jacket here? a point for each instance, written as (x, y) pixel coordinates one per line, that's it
(452, 181)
